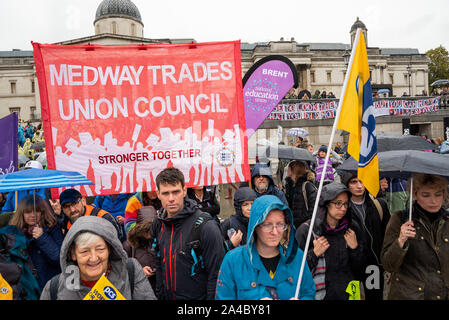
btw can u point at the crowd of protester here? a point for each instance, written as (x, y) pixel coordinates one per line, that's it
(173, 244)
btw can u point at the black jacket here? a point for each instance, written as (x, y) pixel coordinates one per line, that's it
(174, 261)
(263, 169)
(373, 233)
(238, 221)
(209, 202)
(343, 264)
(296, 201)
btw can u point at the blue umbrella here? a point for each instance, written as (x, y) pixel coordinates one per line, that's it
(41, 178)
(383, 91)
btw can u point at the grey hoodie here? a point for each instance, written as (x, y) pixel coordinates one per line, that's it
(118, 258)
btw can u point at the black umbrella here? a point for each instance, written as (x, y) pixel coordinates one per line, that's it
(403, 163)
(440, 83)
(287, 152)
(38, 145)
(392, 141)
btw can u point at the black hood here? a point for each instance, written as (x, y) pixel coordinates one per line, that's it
(262, 169)
(328, 193)
(241, 195)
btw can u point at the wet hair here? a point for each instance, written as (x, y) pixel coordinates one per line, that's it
(171, 176)
(432, 181)
(28, 204)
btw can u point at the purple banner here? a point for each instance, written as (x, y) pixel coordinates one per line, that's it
(264, 85)
(9, 144)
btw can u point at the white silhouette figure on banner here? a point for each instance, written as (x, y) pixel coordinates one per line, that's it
(220, 157)
(232, 140)
(110, 168)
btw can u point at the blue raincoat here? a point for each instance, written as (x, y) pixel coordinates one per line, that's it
(243, 276)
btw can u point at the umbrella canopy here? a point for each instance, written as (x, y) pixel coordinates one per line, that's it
(38, 145)
(440, 82)
(41, 178)
(403, 163)
(23, 159)
(288, 152)
(392, 141)
(42, 158)
(297, 132)
(381, 91)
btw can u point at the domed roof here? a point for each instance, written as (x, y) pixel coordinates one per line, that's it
(118, 8)
(358, 24)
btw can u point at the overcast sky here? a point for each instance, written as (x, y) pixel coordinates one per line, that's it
(416, 24)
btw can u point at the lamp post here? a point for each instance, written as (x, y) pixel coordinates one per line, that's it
(346, 57)
(409, 71)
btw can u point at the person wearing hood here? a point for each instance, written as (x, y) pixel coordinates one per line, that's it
(234, 229)
(372, 215)
(90, 249)
(268, 266)
(336, 252)
(416, 251)
(186, 266)
(263, 184)
(300, 191)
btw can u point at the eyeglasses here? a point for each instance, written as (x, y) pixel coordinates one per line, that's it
(71, 204)
(268, 227)
(339, 204)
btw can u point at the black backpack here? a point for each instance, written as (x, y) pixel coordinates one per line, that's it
(54, 282)
(193, 244)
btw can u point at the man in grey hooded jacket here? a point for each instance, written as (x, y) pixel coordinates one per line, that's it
(70, 285)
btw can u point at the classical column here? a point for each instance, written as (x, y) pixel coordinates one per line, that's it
(307, 84)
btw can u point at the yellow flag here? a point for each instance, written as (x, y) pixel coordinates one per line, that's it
(357, 117)
(5, 289)
(354, 290)
(104, 290)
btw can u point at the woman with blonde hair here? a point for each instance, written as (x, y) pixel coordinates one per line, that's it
(44, 235)
(416, 250)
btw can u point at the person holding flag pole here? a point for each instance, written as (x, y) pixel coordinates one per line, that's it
(355, 115)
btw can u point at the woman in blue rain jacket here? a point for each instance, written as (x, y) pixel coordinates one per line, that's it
(268, 265)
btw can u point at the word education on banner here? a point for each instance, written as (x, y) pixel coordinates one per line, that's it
(121, 114)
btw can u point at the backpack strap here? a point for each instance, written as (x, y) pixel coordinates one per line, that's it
(194, 243)
(304, 194)
(378, 207)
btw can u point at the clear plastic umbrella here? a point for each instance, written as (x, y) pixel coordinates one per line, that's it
(297, 132)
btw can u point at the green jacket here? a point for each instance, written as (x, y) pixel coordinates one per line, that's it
(420, 270)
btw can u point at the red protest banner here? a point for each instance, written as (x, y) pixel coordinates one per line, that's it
(121, 114)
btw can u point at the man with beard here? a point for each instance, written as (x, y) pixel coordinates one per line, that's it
(263, 184)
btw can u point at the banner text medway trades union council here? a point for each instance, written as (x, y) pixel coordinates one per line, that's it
(77, 75)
